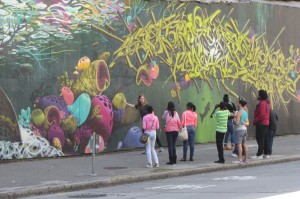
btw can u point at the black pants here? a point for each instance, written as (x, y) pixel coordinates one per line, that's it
(219, 142)
(171, 139)
(158, 141)
(262, 140)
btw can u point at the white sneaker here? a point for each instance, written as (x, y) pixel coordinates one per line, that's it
(148, 165)
(267, 156)
(257, 157)
(238, 162)
(233, 155)
(161, 149)
(156, 165)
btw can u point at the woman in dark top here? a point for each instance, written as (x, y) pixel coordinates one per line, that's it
(142, 106)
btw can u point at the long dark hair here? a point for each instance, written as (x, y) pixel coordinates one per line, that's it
(191, 106)
(171, 108)
(263, 94)
(139, 104)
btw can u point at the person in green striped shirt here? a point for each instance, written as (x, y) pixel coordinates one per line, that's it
(222, 119)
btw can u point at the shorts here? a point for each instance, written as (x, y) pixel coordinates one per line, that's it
(241, 136)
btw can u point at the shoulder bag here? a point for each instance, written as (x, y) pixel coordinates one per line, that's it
(144, 139)
(183, 133)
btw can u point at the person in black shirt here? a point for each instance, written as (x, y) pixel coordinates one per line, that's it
(230, 131)
(272, 128)
(142, 106)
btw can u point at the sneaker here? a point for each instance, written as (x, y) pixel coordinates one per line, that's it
(148, 165)
(161, 149)
(156, 165)
(144, 152)
(237, 162)
(233, 155)
(267, 156)
(257, 157)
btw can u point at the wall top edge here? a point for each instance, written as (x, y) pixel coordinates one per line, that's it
(273, 2)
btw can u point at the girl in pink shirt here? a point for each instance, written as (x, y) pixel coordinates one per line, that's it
(172, 127)
(189, 119)
(150, 125)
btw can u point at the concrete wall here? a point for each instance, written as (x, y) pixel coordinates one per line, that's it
(67, 66)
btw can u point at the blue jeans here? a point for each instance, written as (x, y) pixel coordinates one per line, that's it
(230, 132)
(171, 139)
(150, 150)
(270, 139)
(190, 141)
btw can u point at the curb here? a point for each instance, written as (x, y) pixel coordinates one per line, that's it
(119, 180)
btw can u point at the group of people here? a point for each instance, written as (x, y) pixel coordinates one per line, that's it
(172, 127)
(232, 120)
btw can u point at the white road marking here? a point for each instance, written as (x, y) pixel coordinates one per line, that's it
(292, 195)
(236, 178)
(184, 186)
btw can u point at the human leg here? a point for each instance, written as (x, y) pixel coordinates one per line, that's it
(260, 139)
(226, 147)
(161, 149)
(169, 142)
(191, 139)
(245, 149)
(152, 146)
(219, 143)
(238, 140)
(270, 139)
(266, 141)
(175, 135)
(230, 131)
(170, 147)
(148, 153)
(185, 147)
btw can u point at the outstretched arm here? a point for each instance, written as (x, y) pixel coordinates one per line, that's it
(216, 107)
(128, 104)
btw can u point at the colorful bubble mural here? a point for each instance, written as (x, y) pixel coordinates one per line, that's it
(69, 67)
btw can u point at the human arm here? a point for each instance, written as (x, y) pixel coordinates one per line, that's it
(128, 104)
(259, 113)
(157, 123)
(246, 123)
(144, 123)
(164, 116)
(196, 120)
(213, 112)
(237, 118)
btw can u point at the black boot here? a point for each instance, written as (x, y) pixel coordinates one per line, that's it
(191, 158)
(175, 159)
(171, 160)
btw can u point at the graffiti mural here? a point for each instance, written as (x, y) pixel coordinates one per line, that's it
(68, 67)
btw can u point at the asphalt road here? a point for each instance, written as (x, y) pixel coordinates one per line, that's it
(268, 182)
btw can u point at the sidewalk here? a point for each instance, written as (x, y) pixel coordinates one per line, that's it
(25, 178)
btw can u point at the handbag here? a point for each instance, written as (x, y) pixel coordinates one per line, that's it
(183, 133)
(144, 139)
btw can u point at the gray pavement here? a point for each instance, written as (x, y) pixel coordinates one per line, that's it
(43, 176)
